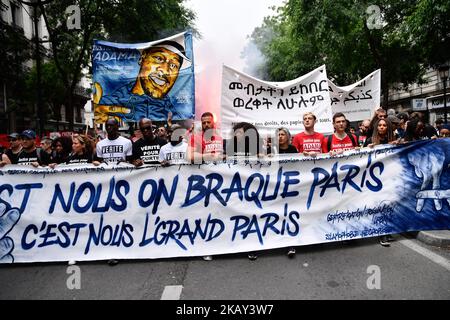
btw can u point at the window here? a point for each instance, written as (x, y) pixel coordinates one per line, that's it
(16, 14)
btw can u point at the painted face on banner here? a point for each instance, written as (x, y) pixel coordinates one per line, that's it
(159, 71)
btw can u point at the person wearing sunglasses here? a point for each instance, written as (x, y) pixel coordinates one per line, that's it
(146, 150)
(12, 153)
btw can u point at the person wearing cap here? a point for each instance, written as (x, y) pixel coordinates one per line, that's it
(30, 155)
(176, 151)
(147, 95)
(12, 153)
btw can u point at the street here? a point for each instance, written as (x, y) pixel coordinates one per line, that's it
(409, 269)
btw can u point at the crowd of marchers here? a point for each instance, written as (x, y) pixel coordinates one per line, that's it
(173, 144)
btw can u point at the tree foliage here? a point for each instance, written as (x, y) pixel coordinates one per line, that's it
(144, 20)
(52, 89)
(353, 40)
(15, 50)
(113, 20)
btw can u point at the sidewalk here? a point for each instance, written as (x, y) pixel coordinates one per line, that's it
(437, 238)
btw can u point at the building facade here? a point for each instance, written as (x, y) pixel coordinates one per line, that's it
(16, 113)
(427, 98)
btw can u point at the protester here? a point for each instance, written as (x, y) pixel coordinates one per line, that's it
(362, 132)
(174, 152)
(137, 134)
(12, 153)
(438, 125)
(390, 112)
(340, 140)
(400, 132)
(284, 141)
(207, 146)
(428, 130)
(415, 130)
(115, 148)
(62, 147)
(309, 142)
(395, 121)
(383, 134)
(284, 146)
(146, 150)
(30, 155)
(445, 131)
(245, 142)
(82, 150)
(162, 133)
(380, 113)
(46, 145)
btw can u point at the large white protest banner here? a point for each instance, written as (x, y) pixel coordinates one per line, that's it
(92, 213)
(357, 101)
(270, 105)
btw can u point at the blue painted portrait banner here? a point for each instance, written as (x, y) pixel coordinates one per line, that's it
(94, 213)
(133, 81)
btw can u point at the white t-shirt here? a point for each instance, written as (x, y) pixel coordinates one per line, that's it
(174, 154)
(113, 151)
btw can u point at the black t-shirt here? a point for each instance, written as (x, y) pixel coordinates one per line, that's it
(148, 152)
(79, 158)
(27, 158)
(231, 147)
(290, 149)
(369, 141)
(46, 158)
(430, 131)
(59, 158)
(12, 156)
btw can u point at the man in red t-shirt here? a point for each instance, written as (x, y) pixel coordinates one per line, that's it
(309, 142)
(209, 145)
(340, 141)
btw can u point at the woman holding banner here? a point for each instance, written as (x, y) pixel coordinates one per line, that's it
(383, 134)
(82, 150)
(285, 146)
